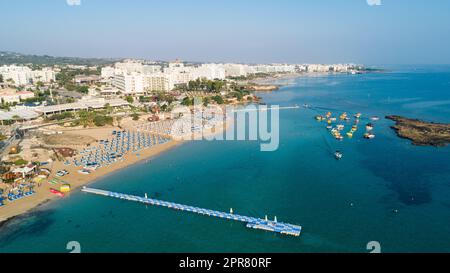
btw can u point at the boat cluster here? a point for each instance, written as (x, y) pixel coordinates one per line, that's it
(336, 126)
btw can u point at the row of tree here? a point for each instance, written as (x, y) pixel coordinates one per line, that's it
(187, 101)
(204, 85)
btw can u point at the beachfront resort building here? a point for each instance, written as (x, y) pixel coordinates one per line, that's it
(209, 72)
(108, 72)
(134, 78)
(133, 67)
(23, 75)
(325, 68)
(237, 70)
(129, 83)
(158, 82)
(137, 83)
(275, 68)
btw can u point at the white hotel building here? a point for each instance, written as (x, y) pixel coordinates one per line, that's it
(129, 83)
(23, 75)
(135, 78)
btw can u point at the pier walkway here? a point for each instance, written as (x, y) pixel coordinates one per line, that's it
(268, 109)
(255, 223)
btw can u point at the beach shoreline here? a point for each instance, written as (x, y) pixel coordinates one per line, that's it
(77, 181)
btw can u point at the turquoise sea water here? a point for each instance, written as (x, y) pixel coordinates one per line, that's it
(300, 183)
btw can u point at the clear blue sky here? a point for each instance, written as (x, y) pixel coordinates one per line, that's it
(397, 32)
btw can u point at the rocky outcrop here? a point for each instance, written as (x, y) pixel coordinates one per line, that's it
(422, 133)
(262, 87)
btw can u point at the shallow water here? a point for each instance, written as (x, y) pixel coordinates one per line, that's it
(300, 183)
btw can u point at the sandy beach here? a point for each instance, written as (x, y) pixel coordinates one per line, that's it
(77, 180)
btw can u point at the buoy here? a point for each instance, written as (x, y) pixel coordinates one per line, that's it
(231, 211)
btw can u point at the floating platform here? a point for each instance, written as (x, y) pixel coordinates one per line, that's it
(251, 222)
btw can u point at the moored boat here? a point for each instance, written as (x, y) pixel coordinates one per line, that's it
(320, 118)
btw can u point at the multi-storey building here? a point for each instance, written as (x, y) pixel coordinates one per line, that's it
(22, 75)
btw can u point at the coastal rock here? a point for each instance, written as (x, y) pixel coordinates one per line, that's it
(422, 133)
(262, 87)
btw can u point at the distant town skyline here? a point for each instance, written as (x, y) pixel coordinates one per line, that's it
(353, 31)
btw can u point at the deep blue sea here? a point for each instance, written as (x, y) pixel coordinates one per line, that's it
(300, 183)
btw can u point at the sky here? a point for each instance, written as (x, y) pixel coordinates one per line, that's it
(250, 31)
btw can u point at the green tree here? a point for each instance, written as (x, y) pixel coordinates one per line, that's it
(206, 101)
(20, 162)
(83, 89)
(187, 101)
(39, 84)
(218, 99)
(129, 99)
(238, 95)
(101, 120)
(108, 108)
(135, 116)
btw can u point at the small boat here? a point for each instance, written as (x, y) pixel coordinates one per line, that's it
(338, 155)
(340, 127)
(320, 118)
(329, 127)
(375, 118)
(369, 136)
(350, 134)
(358, 115)
(56, 192)
(369, 127)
